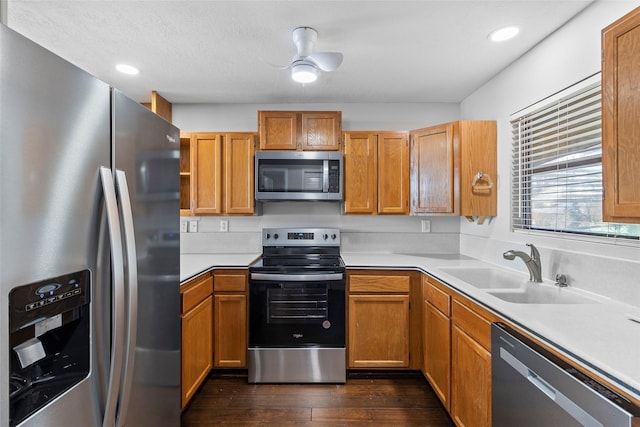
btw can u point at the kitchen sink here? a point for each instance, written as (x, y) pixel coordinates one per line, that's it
(487, 277)
(536, 293)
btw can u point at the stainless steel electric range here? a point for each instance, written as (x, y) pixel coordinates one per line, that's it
(297, 308)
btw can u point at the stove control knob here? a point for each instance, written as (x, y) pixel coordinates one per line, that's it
(325, 236)
(275, 236)
(268, 236)
(333, 236)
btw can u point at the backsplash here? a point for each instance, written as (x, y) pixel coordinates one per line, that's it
(399, 234)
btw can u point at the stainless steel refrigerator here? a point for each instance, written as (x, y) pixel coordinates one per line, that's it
(89, 249)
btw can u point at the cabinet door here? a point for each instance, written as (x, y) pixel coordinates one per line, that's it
(230, 323)
(620, 124)
(437, 351)
(378, 331)
(239, 154)
(478, 145)
(278, 130)
(206, 174)
(432, 170)
(360, 173)
(321, 130)
(185, 173)
(393, 173)
(470, 381)
(197, 347)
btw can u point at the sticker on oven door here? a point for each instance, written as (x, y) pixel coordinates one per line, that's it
(326, 324)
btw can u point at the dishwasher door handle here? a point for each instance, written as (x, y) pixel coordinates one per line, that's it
(542, 385)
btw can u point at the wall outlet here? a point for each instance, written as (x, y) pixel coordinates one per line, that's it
(184, 227)
(426, 226)
(193, 226)
(224, 226)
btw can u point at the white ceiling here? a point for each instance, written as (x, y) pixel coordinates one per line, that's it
(220, 51)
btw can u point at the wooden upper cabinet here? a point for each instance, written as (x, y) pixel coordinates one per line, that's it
(239, 155)
(393, 173)
(278, 130)
(221, 177)
(453, 169)
(300, 130)
(185, 173)
(432, 174)
(376, 166)
(360, 173)
(321, 130)
(160, 106)
(621, 119)
(206, 173)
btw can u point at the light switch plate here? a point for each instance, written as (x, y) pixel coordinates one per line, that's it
(426, 226)
(184, 227)
(193, 226)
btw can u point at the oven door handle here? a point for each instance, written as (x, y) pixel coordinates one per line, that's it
(296, 277)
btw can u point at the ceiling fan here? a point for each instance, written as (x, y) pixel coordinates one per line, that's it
(304, 66)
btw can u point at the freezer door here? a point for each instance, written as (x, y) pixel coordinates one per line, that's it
(54, 136)
(146, 153)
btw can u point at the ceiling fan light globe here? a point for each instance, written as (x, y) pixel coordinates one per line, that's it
(304, 73)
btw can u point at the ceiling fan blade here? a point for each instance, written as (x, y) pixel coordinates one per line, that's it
(326, 61)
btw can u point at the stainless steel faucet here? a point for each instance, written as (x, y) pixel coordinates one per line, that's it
(532, 262)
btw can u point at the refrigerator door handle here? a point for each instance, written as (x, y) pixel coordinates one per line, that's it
(117, 315)
(132, 287)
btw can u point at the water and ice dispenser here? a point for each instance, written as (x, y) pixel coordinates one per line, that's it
(49, 324)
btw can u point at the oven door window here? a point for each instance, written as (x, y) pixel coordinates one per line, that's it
(297, 304)
(294, 314)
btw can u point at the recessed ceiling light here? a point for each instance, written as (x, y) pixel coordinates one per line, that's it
(503, 34)
(127, 69)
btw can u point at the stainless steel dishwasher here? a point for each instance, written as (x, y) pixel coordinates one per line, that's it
(532, 387)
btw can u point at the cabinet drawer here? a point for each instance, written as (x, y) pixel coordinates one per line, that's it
(196, 293)
(437, 298)
(230, 281)
(383, 284)
(476, 326)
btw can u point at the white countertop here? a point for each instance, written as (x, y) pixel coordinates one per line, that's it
(598, 336)
(193, 264)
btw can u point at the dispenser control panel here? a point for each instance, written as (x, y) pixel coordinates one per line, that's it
(47, 298)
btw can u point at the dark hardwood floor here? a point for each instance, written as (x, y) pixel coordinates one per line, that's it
(365, 400)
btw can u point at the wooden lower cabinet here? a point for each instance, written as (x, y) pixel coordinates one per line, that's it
(230, 319)
(470, 381)
(197, 335)
(378, 331)
(457, 353)
(437, 352)
(230, 346)
(383, 319)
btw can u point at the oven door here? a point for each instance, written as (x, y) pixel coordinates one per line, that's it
(297, 310)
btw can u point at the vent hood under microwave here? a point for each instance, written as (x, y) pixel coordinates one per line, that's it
(298, 175)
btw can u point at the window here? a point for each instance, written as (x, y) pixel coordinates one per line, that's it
(557, 166)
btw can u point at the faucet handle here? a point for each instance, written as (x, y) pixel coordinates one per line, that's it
(535, 255)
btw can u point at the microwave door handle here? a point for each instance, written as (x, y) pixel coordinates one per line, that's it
(325, 176)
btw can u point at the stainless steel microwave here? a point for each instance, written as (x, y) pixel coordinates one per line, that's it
(298, 175)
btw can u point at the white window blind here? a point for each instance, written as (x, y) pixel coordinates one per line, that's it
(557, 167)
